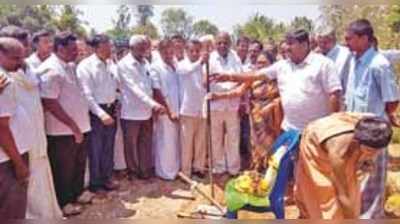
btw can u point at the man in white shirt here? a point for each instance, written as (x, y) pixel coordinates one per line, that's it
(166, 133)
(308, 82)
(42, 200)
(15, 141)
(138, 108)
(43, 44)
(179, 47)
(339, 54)
(99, 84)
(224, 113)
(67, 119)
(255, 49)
(193, 125)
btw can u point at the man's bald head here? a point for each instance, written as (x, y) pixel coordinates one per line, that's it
(8, 44)
(223, 43)
(12, 53)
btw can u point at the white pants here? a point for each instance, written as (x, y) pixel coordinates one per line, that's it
(225, 151)
(193, 130)
(166, 147)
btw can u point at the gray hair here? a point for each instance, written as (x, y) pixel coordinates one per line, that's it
(208, 37)
(137, 39)
(327, 31)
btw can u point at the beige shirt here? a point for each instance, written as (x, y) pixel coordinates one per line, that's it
(58, 81)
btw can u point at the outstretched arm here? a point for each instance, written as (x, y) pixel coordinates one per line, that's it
(240, 77)
(236, 92)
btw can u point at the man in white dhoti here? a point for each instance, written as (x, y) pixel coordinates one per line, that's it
(166, 132)
(42, 200)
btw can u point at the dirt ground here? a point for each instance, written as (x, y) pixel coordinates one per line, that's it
(156, 198)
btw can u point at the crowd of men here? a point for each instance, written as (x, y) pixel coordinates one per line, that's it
(63, 104)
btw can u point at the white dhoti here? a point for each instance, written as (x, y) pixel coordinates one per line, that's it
(42, 199)
(119, 157)
(166, 147)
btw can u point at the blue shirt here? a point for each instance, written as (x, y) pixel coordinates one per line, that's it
(371, 84)
(341, 56)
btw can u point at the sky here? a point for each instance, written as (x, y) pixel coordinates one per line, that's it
(224, 16)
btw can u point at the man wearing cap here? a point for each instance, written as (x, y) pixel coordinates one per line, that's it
(331, 151)
(138, 108)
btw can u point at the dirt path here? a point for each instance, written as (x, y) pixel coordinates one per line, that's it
(156, 198)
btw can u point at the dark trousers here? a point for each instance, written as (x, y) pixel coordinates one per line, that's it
(13, 195)
(245, 134)
(138, 146)
(68, 163)
(101, 151)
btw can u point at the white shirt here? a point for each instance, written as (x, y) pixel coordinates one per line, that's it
(192, 89)
(98, 82)
(33, 61)
(166, 80)
(304, 88)
(228, 65)
(59, 81)
(392, 55)
(21, 125)
(341, 57)
(136, 89)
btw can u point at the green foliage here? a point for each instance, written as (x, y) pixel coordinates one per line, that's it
(149, 29)
(143, 14)
(382, 17)
(396, 136)
(121, 26)
(203, 27)
(176, 21)
(33, 17)
(261, 27)
(69, 20)
(302, 23)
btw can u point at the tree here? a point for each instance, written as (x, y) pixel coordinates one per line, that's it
(149, 29)
(382, 18)
(32, 18)
(302, 23)
(261, 27)
(203, 27)
(394, 18)
(69, 20)
(176, 21)
(121, 25)
(143, 14)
